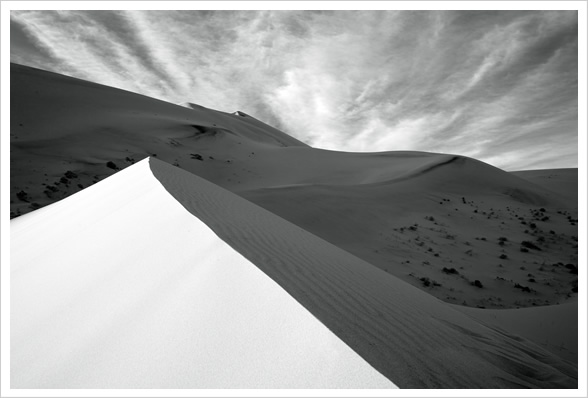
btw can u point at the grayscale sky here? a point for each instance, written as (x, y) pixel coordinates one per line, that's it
(499, 86)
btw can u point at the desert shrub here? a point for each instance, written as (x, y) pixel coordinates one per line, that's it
(523, 288)
(573, 269)
(524, 250)
(530, 245)
(426, 281)
(64, 180)
(22, 196)
(533, 225)
(70, 174)
(503, 239)
(503, 256)
(111, 165)
(196, 156)
(80, 186)
(450, 270)
(477, 284)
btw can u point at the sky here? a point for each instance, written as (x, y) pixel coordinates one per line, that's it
(498, 86)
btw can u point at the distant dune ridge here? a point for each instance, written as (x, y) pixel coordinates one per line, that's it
(391, 269)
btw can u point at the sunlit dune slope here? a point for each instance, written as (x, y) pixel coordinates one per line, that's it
(118, 286)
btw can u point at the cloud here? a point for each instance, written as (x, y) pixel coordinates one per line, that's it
(500, 86)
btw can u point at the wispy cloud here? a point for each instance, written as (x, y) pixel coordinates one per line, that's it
(500, 86)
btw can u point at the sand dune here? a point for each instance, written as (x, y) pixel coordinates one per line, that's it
(381, 254)
(383, 319)
(143, 316)
(128, 290)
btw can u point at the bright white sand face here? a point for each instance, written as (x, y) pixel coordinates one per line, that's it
(119, 286)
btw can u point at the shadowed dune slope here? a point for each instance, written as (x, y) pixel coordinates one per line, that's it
(409, 336)
(552, 327)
